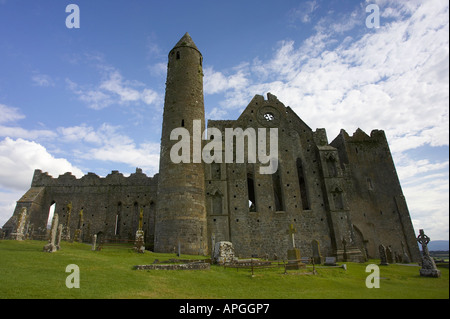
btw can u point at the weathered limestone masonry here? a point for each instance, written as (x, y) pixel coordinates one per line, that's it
(343, 196)
(110, 205)
(181, 212)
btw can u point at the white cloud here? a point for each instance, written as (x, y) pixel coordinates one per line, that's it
(114, 89)
(12, 114)
(19, 158)
(9, 114)
(108, 144)
(303, 12)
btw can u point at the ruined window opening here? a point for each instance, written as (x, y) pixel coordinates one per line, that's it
(178, 55)
(301, 181)
(277, 190)
(182, 123)
(51, 213)
(251, 194)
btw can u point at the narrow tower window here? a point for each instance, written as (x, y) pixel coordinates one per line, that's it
(178, 55)
(182, 123)
(251, 194)
(302, 184)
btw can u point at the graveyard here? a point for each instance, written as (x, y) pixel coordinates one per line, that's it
(29, 272)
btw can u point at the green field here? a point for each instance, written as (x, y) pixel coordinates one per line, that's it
(27, 272)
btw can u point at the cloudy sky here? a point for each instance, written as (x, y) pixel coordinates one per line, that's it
(90, 99)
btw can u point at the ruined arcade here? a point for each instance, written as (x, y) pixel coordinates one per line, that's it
(343, 197)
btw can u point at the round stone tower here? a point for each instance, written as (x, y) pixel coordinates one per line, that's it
(181, 213)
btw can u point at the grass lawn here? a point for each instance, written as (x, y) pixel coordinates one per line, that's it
(28, 272)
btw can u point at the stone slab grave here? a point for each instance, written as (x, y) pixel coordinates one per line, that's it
(330, 261)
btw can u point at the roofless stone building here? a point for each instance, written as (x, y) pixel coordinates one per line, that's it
(343, 197)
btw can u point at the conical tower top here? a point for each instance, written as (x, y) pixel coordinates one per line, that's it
(186, 41)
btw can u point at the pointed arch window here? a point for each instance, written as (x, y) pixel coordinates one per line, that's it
(302, 185)
(277, 190)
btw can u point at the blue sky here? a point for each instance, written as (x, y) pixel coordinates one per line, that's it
(91, 99)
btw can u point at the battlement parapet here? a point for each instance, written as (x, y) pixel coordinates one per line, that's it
(115, 178)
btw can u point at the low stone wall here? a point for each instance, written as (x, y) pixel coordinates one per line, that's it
(189, 266)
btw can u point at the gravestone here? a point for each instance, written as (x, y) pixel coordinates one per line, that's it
(293, 255)
(94, 241)
(383, 256)
(405, 257)
(390, 255)
(317, 257)
(224, 253)
(330, 261)
(139, 245)
(429, 268)
(66, 229)
(58, 237)
(51, 247)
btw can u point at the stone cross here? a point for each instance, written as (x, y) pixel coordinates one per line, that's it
(291, 232)
(429, 268)
(423, 240)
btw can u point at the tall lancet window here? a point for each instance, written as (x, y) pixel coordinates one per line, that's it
(277, 190)
(302, 185)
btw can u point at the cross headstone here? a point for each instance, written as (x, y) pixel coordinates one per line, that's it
(293, 254)
(291, 233)
(429, 268)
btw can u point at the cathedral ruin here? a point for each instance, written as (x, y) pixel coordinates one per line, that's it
(342, 197)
